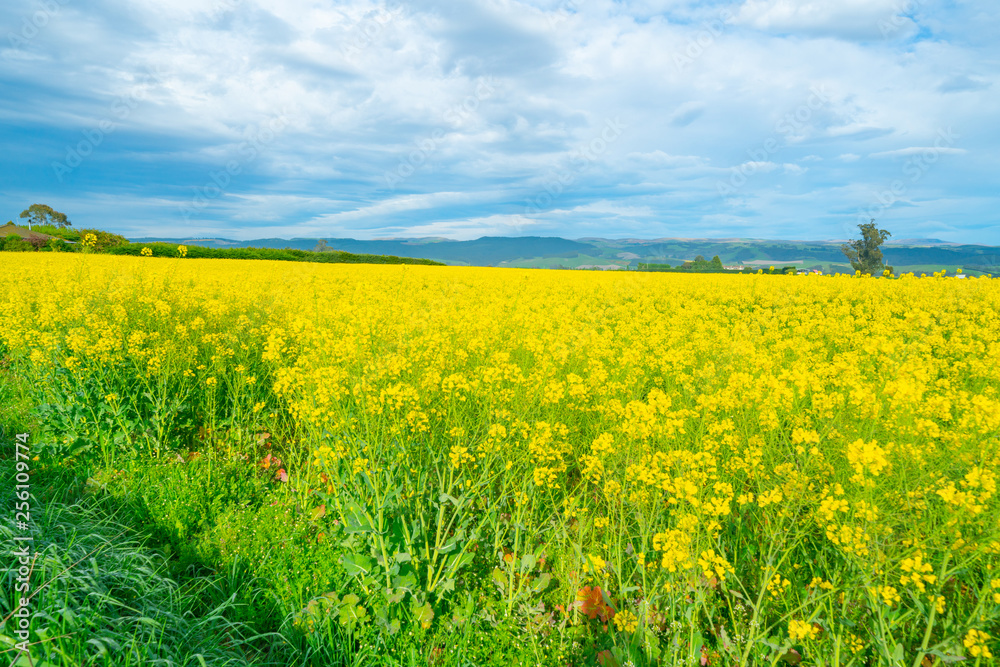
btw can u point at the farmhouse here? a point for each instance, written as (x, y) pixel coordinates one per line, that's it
(25, 233)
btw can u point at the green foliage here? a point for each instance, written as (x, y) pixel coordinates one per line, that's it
(40, 214)
(100, 598)
(864, 253)
(56, 244)
(699, 265)
(106, 241)
(328, 256)
(14, 243)
(65, 233)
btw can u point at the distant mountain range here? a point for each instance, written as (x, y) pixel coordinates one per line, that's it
(554, 252)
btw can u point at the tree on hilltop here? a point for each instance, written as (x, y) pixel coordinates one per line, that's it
(40, 214)
(864, 253)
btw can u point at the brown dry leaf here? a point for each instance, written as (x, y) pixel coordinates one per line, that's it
(607, 659)
(592, 604)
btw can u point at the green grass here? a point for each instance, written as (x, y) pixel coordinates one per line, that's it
(101, 597)
(207, 561)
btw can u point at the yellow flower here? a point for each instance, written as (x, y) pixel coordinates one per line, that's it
(459, 456)
(917, 572)
(360, 465)
(819, 582)
(146, 252)
(594, 563)
(890, 596)
(975, 643)
(777, 587)
(802, 630)
(626, 621)
(714, 564)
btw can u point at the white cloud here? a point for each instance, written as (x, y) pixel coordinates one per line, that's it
(920, 150)
(368, 92)
(844, 18)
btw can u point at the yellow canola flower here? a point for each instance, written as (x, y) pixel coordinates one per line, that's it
(917, 572)
(802, 630)
(976, 644)
(685, 413)
(626, 621)
(888, 595)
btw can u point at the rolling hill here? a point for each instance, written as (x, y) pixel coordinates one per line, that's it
(553, 252)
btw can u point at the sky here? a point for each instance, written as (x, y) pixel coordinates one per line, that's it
(244, 119)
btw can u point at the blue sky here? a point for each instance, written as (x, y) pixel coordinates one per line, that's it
(789, 119)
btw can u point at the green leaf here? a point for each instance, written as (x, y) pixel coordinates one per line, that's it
(352, 614)
(405, 582)
(528, 562)
(652, 644)
(424, 615)
(946, 657)
(500, 578)
(542, 582)
(356, 564)
(897, 653)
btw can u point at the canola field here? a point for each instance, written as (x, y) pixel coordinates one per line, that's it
(611, 468)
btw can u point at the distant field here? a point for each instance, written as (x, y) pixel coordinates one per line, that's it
(449, 466)
(548, 252)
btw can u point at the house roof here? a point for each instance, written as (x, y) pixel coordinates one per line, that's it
(23, 232)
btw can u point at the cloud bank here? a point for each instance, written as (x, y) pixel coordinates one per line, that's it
(576, 118)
